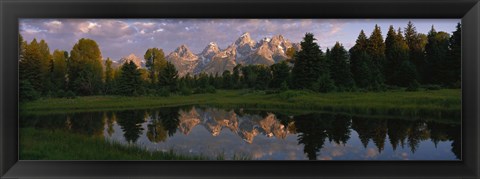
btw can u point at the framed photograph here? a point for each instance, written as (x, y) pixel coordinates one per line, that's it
(280, 89)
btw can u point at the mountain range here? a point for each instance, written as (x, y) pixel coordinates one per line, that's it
(213, 59)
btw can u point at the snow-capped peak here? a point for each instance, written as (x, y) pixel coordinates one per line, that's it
(183, 52)
(210, 50)
(244, 39)
(212, 44)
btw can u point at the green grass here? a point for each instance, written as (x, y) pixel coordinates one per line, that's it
(59, 145)
(436, 103)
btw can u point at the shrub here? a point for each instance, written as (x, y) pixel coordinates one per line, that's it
(199, 90)
(414, 85)
(457, 85)
(210, 89)
(393, 87)
(284, 86)
(135, 93)
(164, 92)
(70, 95)
(151, 92)
(60, 94)
(271, 91)
(185, 91)
(378, 87)
(27, 91)
(324, 84)
(432, 87)
(207, 89)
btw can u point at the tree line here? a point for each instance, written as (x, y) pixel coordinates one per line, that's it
(404, 59)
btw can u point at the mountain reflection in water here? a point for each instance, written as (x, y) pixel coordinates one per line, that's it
(264, 135)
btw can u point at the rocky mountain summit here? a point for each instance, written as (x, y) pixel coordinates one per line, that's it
(213, 59)
(132, 57)
(244, 51)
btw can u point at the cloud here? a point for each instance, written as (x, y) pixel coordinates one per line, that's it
(334, 29)
(119, 37)
(107, 29)
(158, 30)
(32, 31)
(86, 27)
(144, 24)
(53, 26)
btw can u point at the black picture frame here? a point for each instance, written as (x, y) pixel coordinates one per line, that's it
(467, 10)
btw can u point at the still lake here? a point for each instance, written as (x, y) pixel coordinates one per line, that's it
(263, 134)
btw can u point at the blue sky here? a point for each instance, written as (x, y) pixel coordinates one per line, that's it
(121, 37)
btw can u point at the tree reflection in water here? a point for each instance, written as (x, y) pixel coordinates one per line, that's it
(162, 123)
(131, 124)
(312, 130)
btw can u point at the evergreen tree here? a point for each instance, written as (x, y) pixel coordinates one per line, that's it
(264, 77)
(129, 82)
(410, 35)
(31, 66)
(309, 63)
(27, 91)
(362, 67)
(202, 80)
(211, 79)
(416, 44)
(227, 80)
(218, 81)
(436, 52)
(340, 69)
(406, 74)
(168, 77)
(249, 75)
(366, 70)
(396, 52)
(376, 51)
(188, 79)
(280, 74)
(85, 67)
(236, 76)
(328, 59)
(455, 58)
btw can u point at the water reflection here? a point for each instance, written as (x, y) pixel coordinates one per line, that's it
(264, 135)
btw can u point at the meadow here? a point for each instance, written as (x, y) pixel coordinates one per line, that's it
(438, 104)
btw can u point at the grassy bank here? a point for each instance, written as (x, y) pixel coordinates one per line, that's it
(435, 103)
(58, 145)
